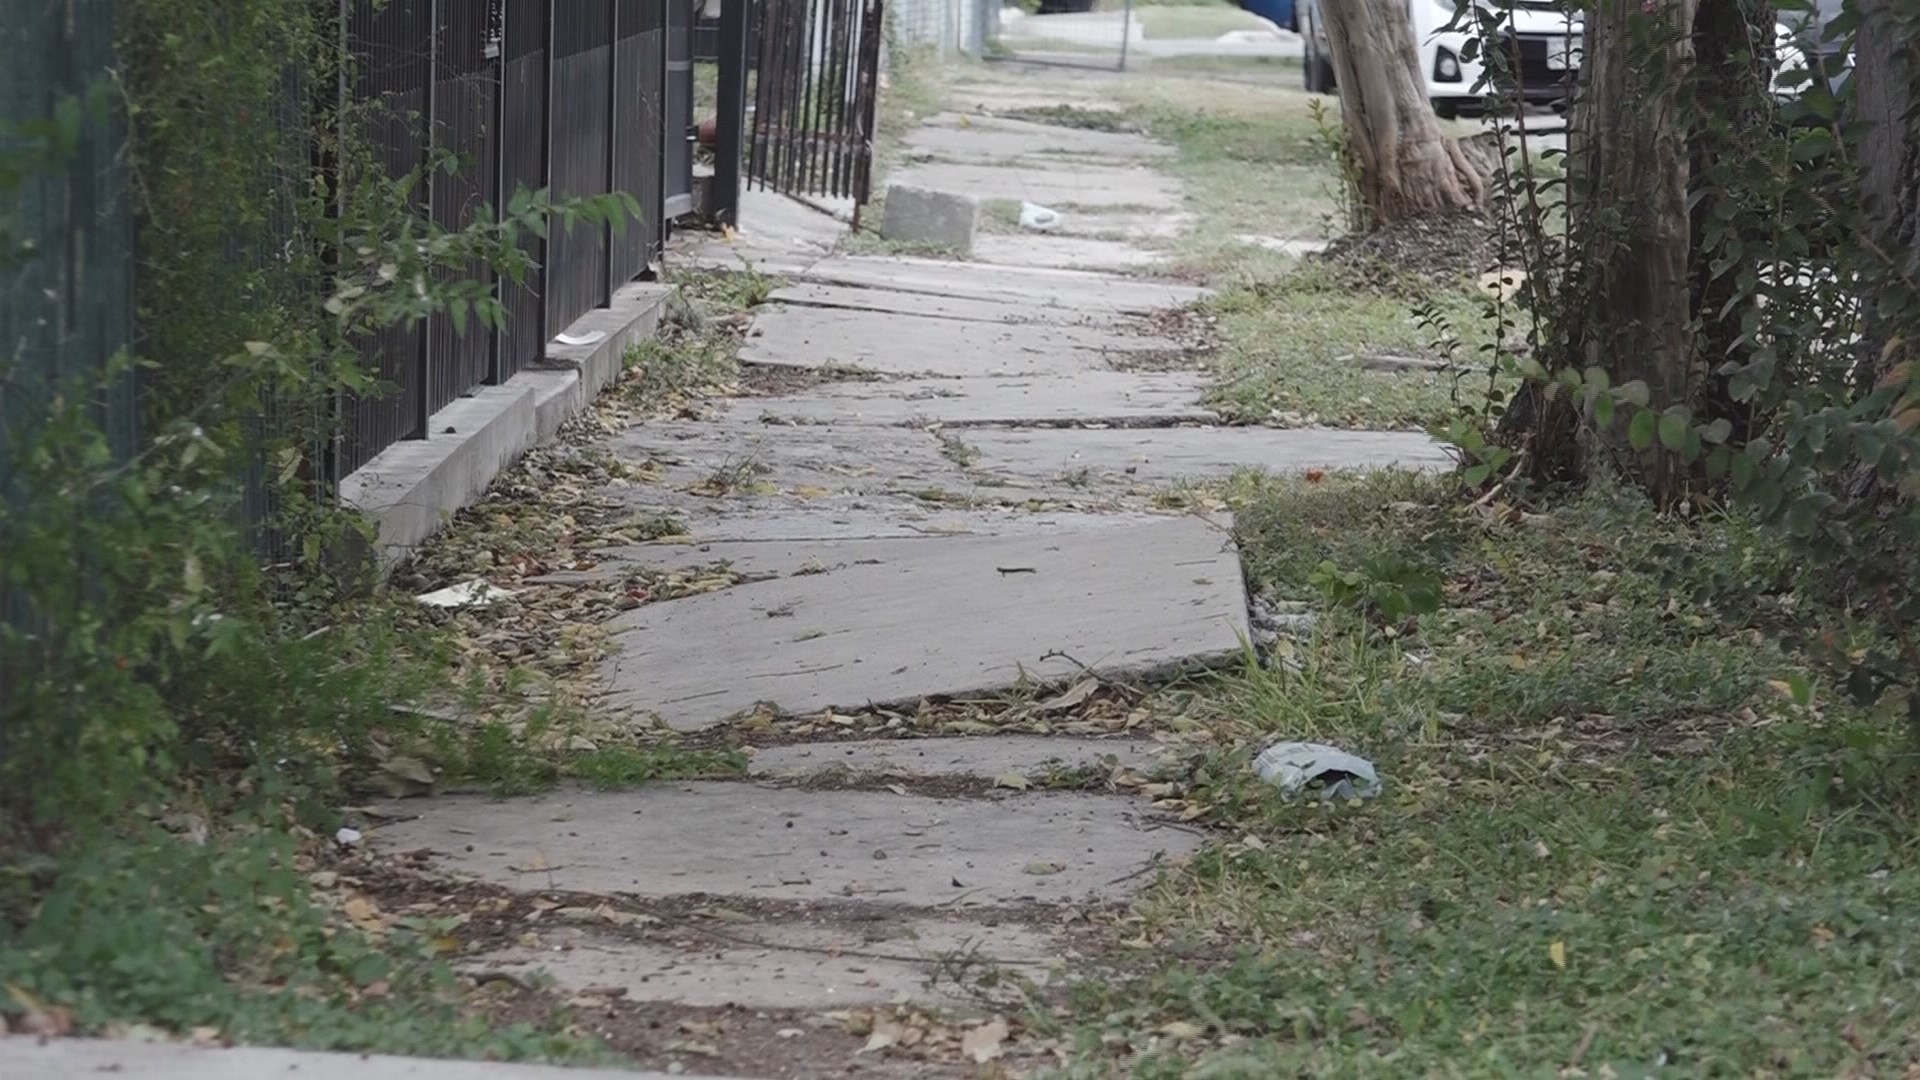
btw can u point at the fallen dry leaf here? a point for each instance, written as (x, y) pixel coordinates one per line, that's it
(1012, 780)
(985, 1042)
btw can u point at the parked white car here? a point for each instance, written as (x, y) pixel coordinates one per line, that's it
(1549, 49)
(1548, 41)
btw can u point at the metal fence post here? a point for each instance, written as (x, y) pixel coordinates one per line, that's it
(498, 344)
(423, 362)
(613, 145)
(544, 276)
(731, 118)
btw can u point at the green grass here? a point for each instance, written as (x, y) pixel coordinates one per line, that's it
(1610, 840)
(1290, 341)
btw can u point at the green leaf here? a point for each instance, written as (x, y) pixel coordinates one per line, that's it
(1634, 393)
(1477, 475)
(1673, 427)
(1717, 432)
(1815, 143)
(1603, 410)
(1597, 378)
(1640, 431)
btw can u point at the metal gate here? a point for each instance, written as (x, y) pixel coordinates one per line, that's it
(817, 82)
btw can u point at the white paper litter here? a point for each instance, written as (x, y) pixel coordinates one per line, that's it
(581, 339)
(475, 593)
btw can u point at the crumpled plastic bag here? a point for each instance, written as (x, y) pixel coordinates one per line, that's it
(1295, 767)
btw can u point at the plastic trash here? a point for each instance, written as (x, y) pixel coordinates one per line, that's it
(1038, 218)
(1294, 767)
(475, 593)
(347, 837)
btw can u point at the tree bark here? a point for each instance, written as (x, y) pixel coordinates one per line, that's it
(1408, 166)
(1628, 173)
(1887, 103)
(1733, 46)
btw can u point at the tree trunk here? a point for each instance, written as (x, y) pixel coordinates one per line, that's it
(1407, 165)
(1733, 48)
(1627, 191)
(1886, 110)
(1887, 102)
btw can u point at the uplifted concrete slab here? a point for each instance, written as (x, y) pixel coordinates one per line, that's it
(783, 965)
(1002, 310)
(741, 456)
(1079, 290)
(1063, 251)
(1091, 397)
(973, 137)
(777, 235)
(913, 345)
(1081, 184)
(777, 843)
(973, 615)
(962, 511)
(1158, 455)
(1000, 97)
(26, 1058)
(981, 758)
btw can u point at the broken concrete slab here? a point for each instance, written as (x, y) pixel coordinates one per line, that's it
(976, 137)
(773, 843)
(26, 1058)
(1034, 757)
(1163, 455)
(943, 219)
(776, 235)
(796, 963)
(972, 510)
(913, 345)
(739, 455)
(1081, 184)
(1064, 252)
(1002, 310)
(974, 615)
(1092, 397)
(1080, 290)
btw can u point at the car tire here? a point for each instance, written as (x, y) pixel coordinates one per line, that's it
(1319, 70)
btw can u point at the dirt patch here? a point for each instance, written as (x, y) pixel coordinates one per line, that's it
(1104, 710)
(1428, 251)
(1078, 118)
(781, 380)
(897, 1041)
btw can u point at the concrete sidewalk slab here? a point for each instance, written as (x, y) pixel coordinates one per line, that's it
(812, 961)
(1069, 183)
(760, 842)
(1064, 251)
(973, 615)
(976, 757)
(1040, 310)
(1079, 290)
(1164, 455)
(1093, 397)
(23, 1058)
(912, 345)
(968, 137)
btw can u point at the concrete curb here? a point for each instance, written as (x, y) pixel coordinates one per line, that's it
(411, 488)
(26, 1058)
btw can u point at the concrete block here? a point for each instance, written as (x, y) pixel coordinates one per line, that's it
(921, 215)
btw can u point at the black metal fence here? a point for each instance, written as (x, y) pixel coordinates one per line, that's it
(580, 97)
(815, 84)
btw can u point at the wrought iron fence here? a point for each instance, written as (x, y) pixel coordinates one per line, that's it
(578, 97)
